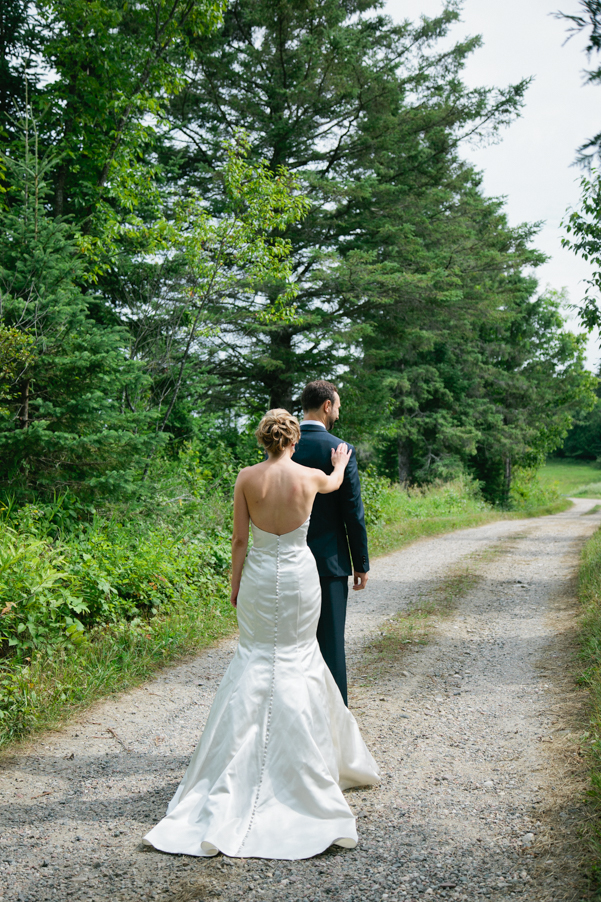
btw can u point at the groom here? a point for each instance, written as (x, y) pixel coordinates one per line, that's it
(337, 523)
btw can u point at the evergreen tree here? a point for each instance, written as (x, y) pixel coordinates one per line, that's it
(462, 365)
(583, 441)
(113, 67)
(538, 383)
(333, 91)
(15, 44)
(588, 20)
(583, 225)
(66, 423)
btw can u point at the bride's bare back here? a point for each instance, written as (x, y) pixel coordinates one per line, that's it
(278, 496)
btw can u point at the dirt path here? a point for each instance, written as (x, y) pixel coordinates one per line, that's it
(477, 738)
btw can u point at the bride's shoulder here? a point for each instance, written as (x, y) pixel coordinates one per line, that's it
(248, 472)
(305, 472)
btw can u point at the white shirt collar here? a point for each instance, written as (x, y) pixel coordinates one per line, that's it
(313, 423)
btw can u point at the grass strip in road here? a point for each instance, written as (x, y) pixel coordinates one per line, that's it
(414, 626)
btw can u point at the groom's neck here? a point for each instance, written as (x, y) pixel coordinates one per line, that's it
(316, 415)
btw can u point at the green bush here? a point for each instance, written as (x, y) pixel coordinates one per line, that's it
(39, 600)
(104, 574)
(374, 489)
(121, 576)
(527, 491)
(72, 577)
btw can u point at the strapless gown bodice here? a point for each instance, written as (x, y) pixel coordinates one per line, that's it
(287, 543)
(279, 745)
(279, 614)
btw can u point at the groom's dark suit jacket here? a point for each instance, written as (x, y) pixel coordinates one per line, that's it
(337, 520)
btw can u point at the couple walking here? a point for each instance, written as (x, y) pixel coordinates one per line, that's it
(280, 745)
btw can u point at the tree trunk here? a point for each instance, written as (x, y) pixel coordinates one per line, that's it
(24, 411)
(59, 191)
(507, 479)
(404, 455)
(279, 380)
(281, 395)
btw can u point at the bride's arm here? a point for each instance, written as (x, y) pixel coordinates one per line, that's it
(239, 538)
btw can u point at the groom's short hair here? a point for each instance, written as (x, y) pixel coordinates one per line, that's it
(316, 393)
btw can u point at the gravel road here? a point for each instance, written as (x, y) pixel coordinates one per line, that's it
(477, 735)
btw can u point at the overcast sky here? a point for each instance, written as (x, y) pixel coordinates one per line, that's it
(531, 166)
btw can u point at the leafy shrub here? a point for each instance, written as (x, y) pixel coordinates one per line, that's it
(121, 576)
(373, 492)
(18, 695)
(527, 490)
(39, 602)
(212, 464)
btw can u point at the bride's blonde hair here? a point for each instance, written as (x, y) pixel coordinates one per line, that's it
(277, 430)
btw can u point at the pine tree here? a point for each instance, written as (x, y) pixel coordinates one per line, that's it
(355, 106)
(69, 422)
(583, 225)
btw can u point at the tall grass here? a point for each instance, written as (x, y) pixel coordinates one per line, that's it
(580, 478)
(409, 515)
(590, 653)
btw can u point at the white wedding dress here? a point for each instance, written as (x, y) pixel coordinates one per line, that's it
(279, 745)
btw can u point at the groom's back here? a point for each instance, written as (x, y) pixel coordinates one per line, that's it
(315, 449)
(336, 515)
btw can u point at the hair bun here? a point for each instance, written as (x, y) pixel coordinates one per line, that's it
(278, 430)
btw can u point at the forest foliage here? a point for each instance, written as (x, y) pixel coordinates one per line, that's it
(205, 205)
(583, 224)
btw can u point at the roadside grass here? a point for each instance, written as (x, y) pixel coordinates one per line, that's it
(50, 690)
(589, 590)
(418, 513)
(48, 684)
(572, 477)
(590, 490)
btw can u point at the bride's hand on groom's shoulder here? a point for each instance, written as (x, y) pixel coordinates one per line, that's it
(341, 454)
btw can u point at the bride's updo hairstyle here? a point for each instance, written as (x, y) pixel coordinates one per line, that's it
(278, 430)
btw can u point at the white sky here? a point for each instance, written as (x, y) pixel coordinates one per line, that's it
(532, 164)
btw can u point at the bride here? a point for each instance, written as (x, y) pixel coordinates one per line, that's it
(279, 745)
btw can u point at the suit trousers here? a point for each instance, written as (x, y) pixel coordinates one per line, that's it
(330, 629)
